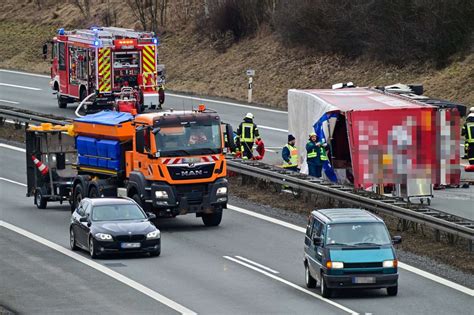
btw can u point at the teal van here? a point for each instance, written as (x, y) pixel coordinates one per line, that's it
(349, 248)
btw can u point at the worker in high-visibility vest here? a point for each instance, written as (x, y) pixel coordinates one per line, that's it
(247, 133)
(289, 154)
(468, 133)
(315, 155)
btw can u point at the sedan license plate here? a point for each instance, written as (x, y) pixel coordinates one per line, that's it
(130, 245)
(363, 280)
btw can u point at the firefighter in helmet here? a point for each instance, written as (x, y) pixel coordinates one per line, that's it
(247, 132)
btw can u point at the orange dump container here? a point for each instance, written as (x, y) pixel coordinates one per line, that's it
(105, 125)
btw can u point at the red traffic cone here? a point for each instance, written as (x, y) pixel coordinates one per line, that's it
(41, 167)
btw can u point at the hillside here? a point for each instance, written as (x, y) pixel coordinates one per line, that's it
(195, 66)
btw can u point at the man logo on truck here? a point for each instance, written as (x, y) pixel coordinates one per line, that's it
(191, 173)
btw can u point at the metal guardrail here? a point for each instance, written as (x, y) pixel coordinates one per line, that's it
(24, 116)
(433, 218)
(436, 219)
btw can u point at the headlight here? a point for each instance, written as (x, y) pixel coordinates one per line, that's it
(161, 194)
(221, 191)
(334, 265)
(103, 237)
(390, 263)
(153, 235)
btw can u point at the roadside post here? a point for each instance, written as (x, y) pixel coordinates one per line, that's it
(250, 74)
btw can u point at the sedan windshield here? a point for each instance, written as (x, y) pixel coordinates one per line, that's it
(117, 212)
(189, 139)
(357, 234)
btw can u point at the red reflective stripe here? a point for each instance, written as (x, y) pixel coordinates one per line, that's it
(215, 157)
(205, 158)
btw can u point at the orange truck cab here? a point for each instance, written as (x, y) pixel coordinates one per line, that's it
(169, 162)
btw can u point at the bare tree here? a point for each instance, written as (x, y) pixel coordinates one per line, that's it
(84, 6)
(138, 8)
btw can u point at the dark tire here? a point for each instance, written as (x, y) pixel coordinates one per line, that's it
(93, 192)
(325, 291)
(392, 291)
(138, 200)
(92, 251)
(77, 197)
(161, 96)
(83, 94)
(72, 239)
(212, 219)
(62, 103)
(155, 253)
(40, 201)
(309, 280)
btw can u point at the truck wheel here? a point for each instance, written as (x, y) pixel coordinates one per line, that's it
(62, 103)
(40, 201)
(392, 291)
(325, 291)
(310, 281)
(138, 200)
(78, 196)
(93, 192)
(212, 219)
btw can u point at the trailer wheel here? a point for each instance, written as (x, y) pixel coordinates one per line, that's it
(212, 219)
(62, 103)
(40, 201)
(93, 193)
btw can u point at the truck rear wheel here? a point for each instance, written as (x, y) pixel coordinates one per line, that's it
(77, 197)
(212, 219)
(138, 200)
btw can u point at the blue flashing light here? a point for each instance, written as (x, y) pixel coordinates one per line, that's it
(156, 41)
(94, 29)
(96, 43)
(61, 31)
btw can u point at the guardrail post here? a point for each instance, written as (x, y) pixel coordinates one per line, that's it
(470, 246)
(437, 235)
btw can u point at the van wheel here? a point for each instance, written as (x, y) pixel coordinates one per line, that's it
(325, 291)
(310, 281)
(40, 201)
(392, 291)
(212, 219)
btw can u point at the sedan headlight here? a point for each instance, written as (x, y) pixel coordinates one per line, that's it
(221, 191)
(153, 235)
(390, 263)
(161, 194)
(334, 265)
(103, 237)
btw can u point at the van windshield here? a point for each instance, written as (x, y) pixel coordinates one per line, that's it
(357, 234)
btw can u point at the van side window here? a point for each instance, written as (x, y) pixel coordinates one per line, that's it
(309, 227)
(317, 228)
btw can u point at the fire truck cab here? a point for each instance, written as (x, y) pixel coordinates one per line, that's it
(97, 63)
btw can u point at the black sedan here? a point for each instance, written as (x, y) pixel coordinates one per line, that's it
(113, 225)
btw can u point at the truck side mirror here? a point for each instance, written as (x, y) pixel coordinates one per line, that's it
(396, 239)
(140, 139)
(230, 137)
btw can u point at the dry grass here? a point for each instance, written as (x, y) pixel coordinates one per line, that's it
(193, 65)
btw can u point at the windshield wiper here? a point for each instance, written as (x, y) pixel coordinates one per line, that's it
(368, 243)
(207, 150)
(176, 152)
(339, 244)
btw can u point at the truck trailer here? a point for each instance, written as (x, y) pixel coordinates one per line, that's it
(171, 162)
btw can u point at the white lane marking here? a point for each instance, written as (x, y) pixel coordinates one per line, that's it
(20, 86)
(436, 278)
(229, 103)
(11, 147)
(267, 218)
(101, 268)
(12, 181)
(10, 102)
(291, 284)
(257, 264)
(26, 73)
(272, 128)
(406, 267)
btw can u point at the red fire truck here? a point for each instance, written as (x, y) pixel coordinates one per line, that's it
(97, 63)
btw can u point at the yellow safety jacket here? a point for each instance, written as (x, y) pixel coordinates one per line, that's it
(470, 132)
(323, 156)
(293, 156)
(247, 132)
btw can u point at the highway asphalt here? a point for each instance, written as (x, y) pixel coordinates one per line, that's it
(206, 270)
(32, 92)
